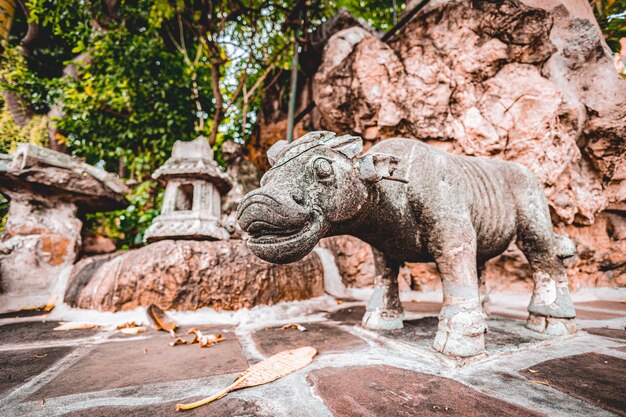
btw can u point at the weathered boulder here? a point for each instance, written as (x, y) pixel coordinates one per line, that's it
(187, 275)
(47, 190)
(504, 80)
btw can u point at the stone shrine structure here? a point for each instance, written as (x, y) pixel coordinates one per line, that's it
(191, 205)
(48, 190)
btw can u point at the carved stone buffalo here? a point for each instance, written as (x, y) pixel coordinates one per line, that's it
(413, 202)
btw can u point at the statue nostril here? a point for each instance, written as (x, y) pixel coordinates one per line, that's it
(298, 198)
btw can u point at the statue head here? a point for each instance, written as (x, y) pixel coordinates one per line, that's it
(315, 182)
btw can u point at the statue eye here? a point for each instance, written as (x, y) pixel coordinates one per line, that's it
(323, 169)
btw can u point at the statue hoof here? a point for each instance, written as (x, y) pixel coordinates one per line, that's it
(551, 325)
(374, 320)
(459, 345)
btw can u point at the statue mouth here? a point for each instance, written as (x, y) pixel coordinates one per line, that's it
(284, 244)
(263, 233)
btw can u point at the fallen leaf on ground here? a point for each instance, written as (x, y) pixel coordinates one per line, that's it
(532, 371)
(76, 325)
(178, 341)
(294, 326)
(210, 339)
(133, 330)
(339, 301)
(127, 325)
(46, 309)
(51, 302)
(35, 356)
(536, 381)
(205, 340)
(268, 370)
(160, 319)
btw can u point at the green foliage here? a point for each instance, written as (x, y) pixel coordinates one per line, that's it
(379, 14)
(127, 226)
(611, 16)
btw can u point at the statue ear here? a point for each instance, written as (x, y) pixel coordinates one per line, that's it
(373, 167)
(275, 150)
(348, 145)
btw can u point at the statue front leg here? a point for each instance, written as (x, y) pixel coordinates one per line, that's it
(384, 310)
(461, 324)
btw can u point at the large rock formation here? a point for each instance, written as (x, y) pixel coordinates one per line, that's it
(504, 80)
(186, 275)
(47, 190)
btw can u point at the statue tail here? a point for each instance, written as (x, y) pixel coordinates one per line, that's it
(565, 247)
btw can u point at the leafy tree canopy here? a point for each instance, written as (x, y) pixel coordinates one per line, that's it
(117, 82)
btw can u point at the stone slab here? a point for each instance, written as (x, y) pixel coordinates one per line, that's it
(422, 307)
(118, 364)
(592, 377)
(604, 304)
(227, 407)
(349, 315)
(583, 314)
(23, 313)
(323, 337)
(38, 331)
(382, 391)
(606, 332)
(19, 366)
(502, 335)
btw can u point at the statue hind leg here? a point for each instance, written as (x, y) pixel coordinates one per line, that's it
(551, 308)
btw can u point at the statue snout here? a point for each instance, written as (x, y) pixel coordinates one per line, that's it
(263, 211)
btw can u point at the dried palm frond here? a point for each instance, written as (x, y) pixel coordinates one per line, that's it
(268, 370)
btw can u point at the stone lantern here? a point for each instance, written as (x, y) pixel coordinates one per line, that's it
(193, 185)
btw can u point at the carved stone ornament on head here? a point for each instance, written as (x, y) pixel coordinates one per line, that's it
(413, 202)
(191, 205)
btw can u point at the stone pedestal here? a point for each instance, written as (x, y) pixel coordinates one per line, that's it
(191, 205)
(47, 190)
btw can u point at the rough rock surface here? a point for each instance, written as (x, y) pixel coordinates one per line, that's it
(186, 275)
(47, 191)
(502, 80)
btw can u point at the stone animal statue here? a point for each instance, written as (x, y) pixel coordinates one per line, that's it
(412, 202)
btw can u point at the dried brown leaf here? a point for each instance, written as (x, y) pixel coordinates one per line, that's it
(532, 371)
(210, 339)
(294, 326)
(178, 341)
(76, 325)
(538, 382)
(160, 319)
(127, 325)
(132, 330)
(266, 371)
(51, 303)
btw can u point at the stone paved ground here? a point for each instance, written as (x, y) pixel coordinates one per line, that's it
(356, 373)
